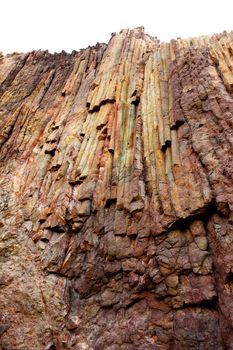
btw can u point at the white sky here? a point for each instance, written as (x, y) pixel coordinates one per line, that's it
(57, 25)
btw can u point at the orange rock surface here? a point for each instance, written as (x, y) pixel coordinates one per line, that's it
(116, 196)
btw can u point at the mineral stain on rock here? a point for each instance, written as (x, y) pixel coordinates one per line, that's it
(116, 196)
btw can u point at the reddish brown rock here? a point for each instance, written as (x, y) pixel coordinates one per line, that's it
(116, 196)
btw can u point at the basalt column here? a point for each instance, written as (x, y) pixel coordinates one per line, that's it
(116, 196)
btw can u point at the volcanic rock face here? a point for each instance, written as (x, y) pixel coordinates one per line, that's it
(116, 196)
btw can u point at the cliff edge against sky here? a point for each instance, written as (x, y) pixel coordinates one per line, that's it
(116, 196)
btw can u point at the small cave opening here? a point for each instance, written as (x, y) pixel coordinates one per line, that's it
(229, 278)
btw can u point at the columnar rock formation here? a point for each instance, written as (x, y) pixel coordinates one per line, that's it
(116, 197)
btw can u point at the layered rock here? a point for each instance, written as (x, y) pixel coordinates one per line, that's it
(116, 196)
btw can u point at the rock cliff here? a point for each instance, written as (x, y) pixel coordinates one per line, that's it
(116, 196)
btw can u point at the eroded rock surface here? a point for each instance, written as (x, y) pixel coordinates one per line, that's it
(116, 197)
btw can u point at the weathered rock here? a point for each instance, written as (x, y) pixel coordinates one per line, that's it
(116, 196)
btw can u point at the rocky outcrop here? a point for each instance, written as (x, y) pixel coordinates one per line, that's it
(116, 197)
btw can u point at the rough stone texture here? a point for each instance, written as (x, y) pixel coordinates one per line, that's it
(116, 197)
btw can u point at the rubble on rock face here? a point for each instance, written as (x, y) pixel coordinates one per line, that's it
(116, 196)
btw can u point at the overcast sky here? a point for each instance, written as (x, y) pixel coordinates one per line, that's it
(57, 25)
